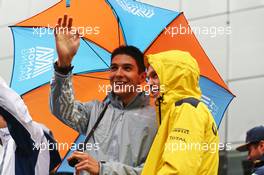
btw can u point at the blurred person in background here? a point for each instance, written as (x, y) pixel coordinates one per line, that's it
(255, 147)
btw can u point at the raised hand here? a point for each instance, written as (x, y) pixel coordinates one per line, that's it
(67, 41)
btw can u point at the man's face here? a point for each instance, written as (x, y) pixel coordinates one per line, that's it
(153, 81)
(255, 151)
(2, 122)
(124, 74)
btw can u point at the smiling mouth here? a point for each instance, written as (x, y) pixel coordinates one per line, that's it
(120, 83)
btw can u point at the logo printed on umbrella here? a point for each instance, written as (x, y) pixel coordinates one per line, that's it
(210, 104)
(36, 62)
(136, 9)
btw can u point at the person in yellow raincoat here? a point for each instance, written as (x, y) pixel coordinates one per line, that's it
(187, 140)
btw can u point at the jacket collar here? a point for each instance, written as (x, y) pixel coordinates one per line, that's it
(259, 162)
(140, 100)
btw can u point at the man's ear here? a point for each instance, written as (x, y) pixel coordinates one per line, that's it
(261, 144)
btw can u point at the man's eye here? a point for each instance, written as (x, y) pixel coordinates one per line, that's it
(127, 68)
(113, 68)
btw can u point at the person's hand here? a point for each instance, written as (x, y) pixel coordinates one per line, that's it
(67, 41)
(86, 163)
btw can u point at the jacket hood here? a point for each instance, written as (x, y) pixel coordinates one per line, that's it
(178, 73)
(11, 102)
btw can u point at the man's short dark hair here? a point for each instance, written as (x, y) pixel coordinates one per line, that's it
(134, 53)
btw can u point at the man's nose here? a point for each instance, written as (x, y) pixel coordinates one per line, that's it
(119, 72)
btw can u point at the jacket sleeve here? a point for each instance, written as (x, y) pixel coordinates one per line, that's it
(26, 133)
(117, 168)
(182, 151)
(64, 106)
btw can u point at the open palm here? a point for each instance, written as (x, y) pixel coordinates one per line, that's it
(67, 41)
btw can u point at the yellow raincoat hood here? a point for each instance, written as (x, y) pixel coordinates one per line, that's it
(178, 73)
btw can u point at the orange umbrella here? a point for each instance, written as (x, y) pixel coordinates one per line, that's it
(107, 25)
